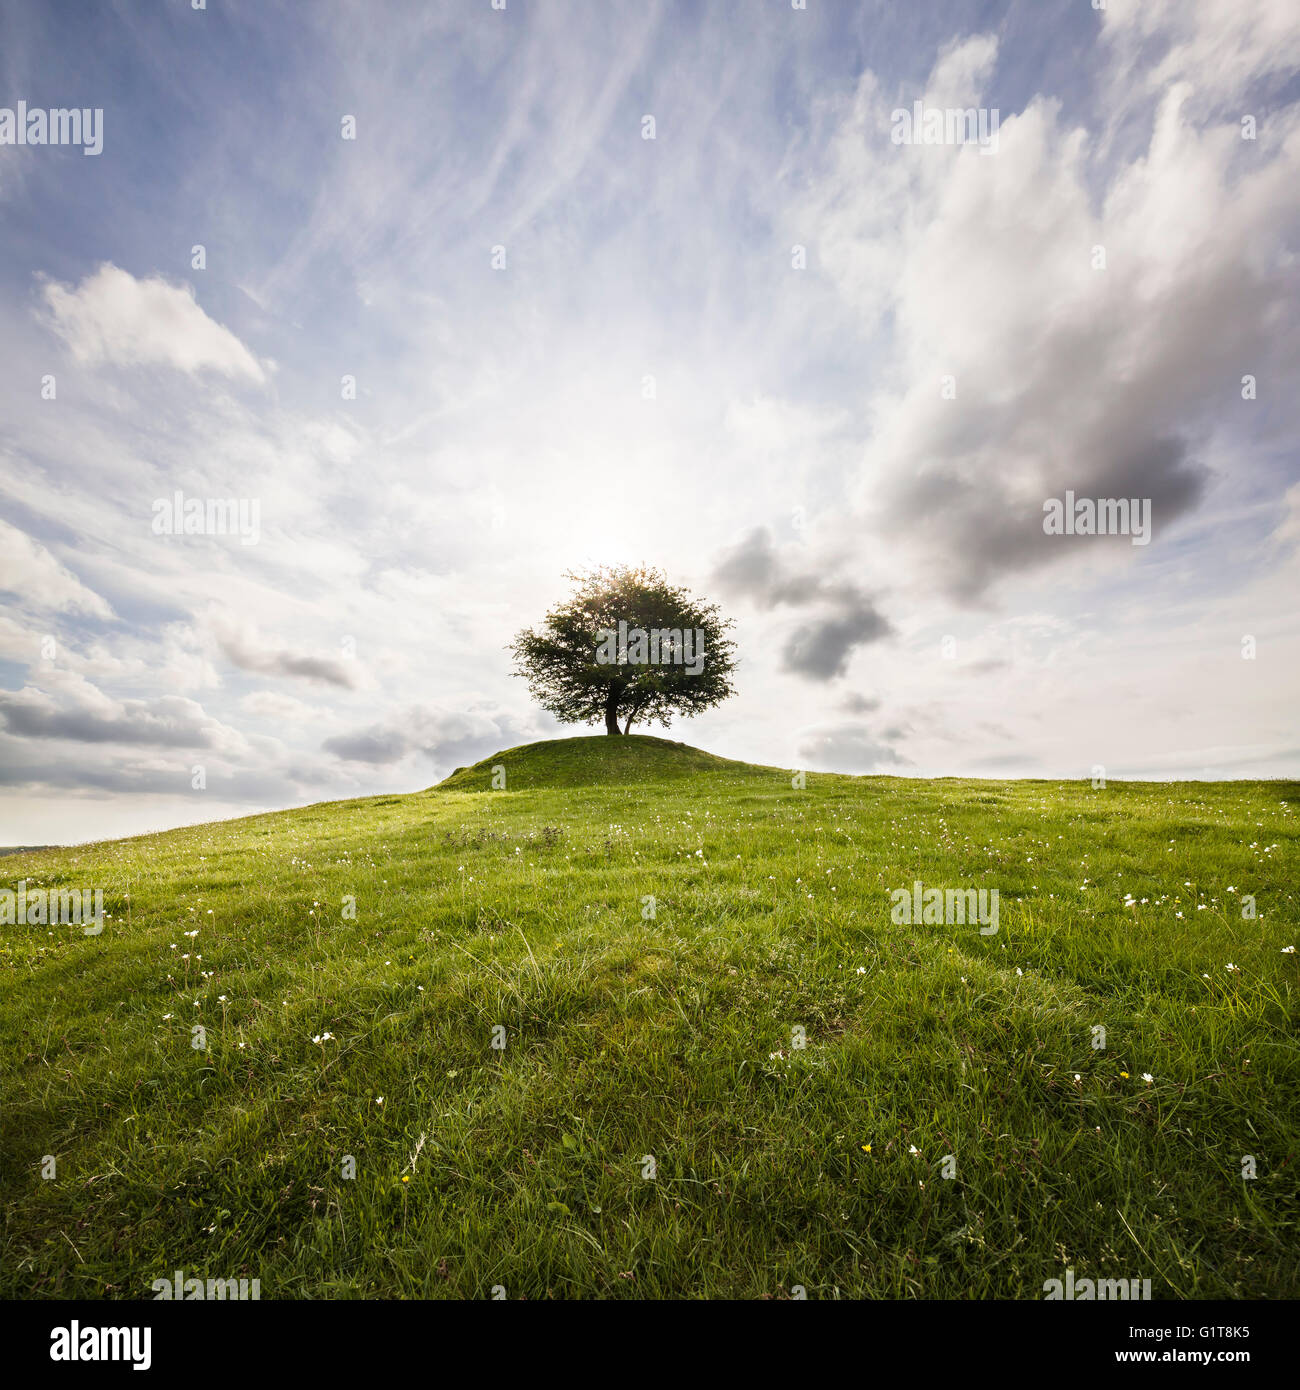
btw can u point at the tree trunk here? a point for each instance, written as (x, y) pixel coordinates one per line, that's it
(611, 710)
(627, 728)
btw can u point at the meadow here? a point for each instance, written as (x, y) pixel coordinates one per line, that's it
(639, 1024)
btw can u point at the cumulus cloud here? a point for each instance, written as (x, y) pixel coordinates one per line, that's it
(445, 737)
(1059, 325)
(244, 647)
(818, 648)
(753, 569)
(171, 721)
(111, 771)
(114, 317)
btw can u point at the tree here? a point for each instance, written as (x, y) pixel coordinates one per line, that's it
(627, 643)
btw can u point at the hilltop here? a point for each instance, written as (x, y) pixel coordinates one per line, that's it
(597, 760)
(579, 1043)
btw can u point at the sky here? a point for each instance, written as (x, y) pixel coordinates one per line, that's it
(456, 298)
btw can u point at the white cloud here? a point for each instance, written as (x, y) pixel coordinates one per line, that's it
(246, 648)
(29, 570)
(271, 704)
(1222, 46)
(171, 721)
(445, 736)
(1067, 373)
(113, 317)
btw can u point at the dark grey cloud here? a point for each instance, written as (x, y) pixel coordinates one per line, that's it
(753, 570)
(819, 648)
(984, 526)
(168, 722)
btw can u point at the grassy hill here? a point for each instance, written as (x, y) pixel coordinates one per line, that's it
(630, 1037)
(599, 761)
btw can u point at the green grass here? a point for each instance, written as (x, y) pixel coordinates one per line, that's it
(669, 1036)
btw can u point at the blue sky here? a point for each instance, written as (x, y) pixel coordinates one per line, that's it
(648, 378)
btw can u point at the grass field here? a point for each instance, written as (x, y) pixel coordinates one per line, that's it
(629, 1037)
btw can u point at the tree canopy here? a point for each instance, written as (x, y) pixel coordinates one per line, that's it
(627, 644)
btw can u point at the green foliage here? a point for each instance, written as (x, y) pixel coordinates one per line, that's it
(670, 1036)
(565, 662)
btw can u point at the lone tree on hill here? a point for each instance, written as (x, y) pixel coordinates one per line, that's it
(627, 643)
